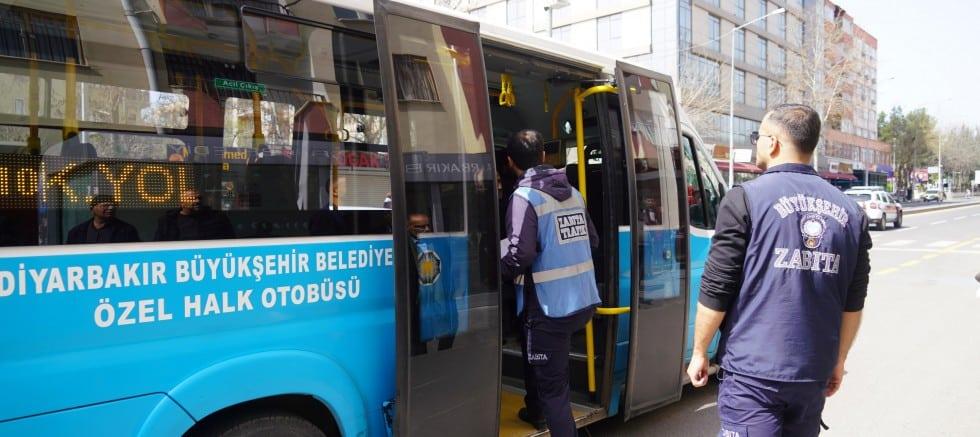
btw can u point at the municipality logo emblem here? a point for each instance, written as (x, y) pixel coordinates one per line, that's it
(430, 266)
(812, 227)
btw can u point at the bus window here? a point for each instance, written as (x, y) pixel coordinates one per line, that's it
(150, 110)
(711, 185)
(695, 197)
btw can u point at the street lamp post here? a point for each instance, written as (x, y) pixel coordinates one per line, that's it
(558, 4)
(731, 99)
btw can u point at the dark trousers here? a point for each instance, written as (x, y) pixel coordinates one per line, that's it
(756, 407)
(546, 342)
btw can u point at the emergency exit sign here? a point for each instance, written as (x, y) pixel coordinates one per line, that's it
(239, 85)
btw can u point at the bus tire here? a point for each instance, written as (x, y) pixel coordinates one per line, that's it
(266, 424)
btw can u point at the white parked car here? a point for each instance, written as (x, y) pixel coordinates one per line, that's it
(880, 206)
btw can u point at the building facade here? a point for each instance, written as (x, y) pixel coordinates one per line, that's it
(850, 139)
(691, 41)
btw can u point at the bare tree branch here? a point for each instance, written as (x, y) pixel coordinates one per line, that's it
(700, 94)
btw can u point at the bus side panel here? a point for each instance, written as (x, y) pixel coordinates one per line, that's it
(122, 417)
(206, 340)
(700, 242)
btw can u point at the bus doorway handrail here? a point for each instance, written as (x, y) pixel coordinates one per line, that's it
(579, 97)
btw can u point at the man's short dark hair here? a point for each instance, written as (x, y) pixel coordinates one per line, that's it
(101, 198)
(800, 122)
(525, 148)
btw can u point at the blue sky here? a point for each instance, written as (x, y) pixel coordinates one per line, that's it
(927, 55)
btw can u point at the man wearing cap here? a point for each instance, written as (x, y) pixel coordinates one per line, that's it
(785, 282)
(103, 227)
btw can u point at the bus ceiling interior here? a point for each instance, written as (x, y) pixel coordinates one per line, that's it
(540, 98)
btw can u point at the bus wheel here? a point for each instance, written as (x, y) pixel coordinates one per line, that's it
(268, 424)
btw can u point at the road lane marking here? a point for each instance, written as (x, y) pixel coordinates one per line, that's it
(898, 243)
(706, 406)
(976, 246)
(906, 229)
(942, 243)
(960, 218)
(939, 222)
(976, 215)
(910, 263)
(887, 271)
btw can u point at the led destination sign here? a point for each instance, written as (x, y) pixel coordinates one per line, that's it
(62, 182)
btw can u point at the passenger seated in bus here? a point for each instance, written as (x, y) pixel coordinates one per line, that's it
(433, 304)
(103, 227)
(193, 221)
(650, 214)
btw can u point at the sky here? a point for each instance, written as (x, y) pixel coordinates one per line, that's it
(928, 55)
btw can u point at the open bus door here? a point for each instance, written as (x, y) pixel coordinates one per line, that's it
(447, 287)
(659, 272)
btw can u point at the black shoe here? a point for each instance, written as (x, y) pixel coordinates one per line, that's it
(538, 422)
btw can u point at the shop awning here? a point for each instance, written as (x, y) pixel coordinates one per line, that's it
(837, 176)
(740, 167)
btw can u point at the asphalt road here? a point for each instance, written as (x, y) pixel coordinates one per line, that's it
(912, 371)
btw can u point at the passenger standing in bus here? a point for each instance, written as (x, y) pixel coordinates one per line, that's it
(786, 281)
(548, 257)
(193, 221)
(103, 227)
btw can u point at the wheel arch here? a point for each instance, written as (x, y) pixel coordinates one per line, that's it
(299, 379)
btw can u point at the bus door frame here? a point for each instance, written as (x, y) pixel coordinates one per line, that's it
(613, 175)
(466, 416)
(633, 404)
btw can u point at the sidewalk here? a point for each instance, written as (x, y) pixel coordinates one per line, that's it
(956, 202)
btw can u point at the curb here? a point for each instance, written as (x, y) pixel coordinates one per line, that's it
(939, 208)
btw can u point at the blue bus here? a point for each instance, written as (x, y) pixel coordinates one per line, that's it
(245, 217)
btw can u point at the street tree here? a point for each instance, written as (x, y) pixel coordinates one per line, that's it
(913, 137)
(700, 95)
(818, 74)
(961, 154)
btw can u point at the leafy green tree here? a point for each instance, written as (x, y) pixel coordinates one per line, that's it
(913, 138)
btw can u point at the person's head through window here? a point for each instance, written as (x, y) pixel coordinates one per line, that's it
(103, 207)
(524, 151)
(788, 134)
(418, 224)
(190, 202)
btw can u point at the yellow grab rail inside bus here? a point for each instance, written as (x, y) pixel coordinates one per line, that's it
(579, 98)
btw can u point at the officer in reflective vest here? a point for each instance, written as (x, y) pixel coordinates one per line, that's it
(547, 254)
(785, 281)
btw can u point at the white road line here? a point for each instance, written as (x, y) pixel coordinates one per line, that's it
(906, 229)
(942, 243)
(897, 243)
(976, 215)
(939, 222)
(939, 251)
(976, 246)
(960, 218)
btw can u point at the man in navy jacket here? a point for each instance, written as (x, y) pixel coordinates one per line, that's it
(785, 281)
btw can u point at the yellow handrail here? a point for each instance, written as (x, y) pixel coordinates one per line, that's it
(612, 311)
(580, 146)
